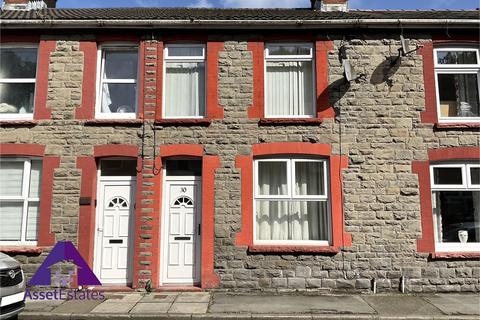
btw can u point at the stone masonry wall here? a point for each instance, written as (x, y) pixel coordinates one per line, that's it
(377, 126)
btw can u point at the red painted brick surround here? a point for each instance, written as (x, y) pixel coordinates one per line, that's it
(45, 47)
(245, 163)
(49, 163)
(430, 114)
(322, 47)
(209, 279)
(88, 189)
(89, 85)
(213, 109)
(427, 242)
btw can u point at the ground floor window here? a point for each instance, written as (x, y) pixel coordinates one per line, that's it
(456, 206)
(19, 200)
(291, 201)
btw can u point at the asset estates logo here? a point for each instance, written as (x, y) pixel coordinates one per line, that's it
(64, 252)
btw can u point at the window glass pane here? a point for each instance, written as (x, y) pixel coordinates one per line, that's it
(119, 98)
(289, 50)
(11, 218)
(272, 220)
(185, 51)
(183, 167)
(18, 62)
(289, 88)
(35, 177)
(475, 175)
(185, 89)
(457, 211)
(272, 178)
(120, 64)
(297, 220)
(309, 178)
(32, 221)
(118, 167)
(458, 95)
(456, 57)
(447, 176)
(16, 97)
(11, 177)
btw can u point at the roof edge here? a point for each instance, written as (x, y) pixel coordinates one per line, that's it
(229, 24)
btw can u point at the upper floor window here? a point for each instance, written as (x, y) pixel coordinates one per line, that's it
(457, 73)
(18, 69)
(117, 82)
(289, 81)
(456, 206)
(19, 200)
(184, 84)
(291, 201)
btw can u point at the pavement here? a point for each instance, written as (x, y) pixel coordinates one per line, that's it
(221, 305)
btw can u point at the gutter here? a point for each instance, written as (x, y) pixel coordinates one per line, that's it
(244, 24)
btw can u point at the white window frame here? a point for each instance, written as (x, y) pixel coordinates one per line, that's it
(465, 186)
(455, 69)
(288, 58)
(291, 161)
(167, 58)
(21, 116)
(25, 199)
(100, 81)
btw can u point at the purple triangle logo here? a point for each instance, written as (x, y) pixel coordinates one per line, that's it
(64, 251)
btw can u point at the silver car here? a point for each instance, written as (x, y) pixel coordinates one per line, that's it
(12, 287)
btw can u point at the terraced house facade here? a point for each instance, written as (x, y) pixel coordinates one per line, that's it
(245, 149)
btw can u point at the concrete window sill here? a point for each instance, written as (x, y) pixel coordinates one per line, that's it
(459, 125)
(293, 249)
(183, 122)
(21, 249)
(114, 122)
(18, 123)
(289, 121)
(455, 255)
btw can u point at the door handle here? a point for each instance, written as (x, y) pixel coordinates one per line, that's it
(100, 229)
(199, 231)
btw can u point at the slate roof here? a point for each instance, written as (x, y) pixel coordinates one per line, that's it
(216, 14)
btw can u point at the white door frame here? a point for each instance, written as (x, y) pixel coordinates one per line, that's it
(121, 181)
(167, 180)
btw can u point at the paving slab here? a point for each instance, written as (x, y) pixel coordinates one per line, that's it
(167, 297)
(289, 304)
(401, 305)
(151, 308)
(42, 305)
(113, 307)
(456, 304)
(193, 297)
(76, 306)
(188, 307)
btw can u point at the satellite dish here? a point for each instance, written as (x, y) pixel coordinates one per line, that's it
(348, 70)
(405, 46)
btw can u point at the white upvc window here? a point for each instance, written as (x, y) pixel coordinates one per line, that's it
(457, 77)
(117, 77)
(184, 85)
(291, 201)
(289, 80)
(18, 70)
(456, 206)
(19, 200)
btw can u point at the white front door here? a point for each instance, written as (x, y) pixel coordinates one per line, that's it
(113, 249)
(181, 249)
